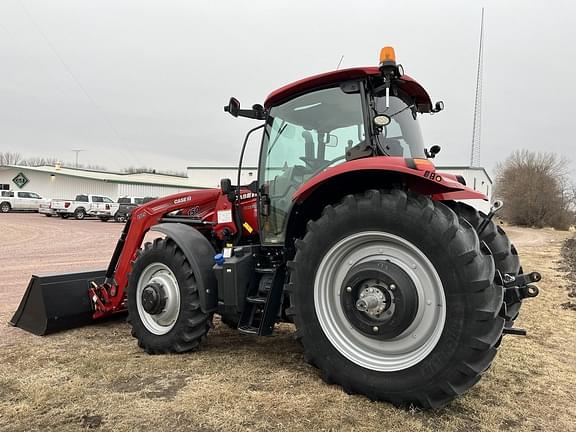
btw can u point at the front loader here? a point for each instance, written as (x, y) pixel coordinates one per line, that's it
(398, 290)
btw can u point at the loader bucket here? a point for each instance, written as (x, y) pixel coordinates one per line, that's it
(56, 302)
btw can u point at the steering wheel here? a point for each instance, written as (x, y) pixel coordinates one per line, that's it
(329, 163)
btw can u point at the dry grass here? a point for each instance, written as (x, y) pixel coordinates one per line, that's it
(97, 377)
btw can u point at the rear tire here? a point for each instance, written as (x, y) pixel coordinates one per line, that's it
(79, 214)
(505, 256)
(5, 207)
(434, 355)
(180, 325)
(104, 219)
(64, 215)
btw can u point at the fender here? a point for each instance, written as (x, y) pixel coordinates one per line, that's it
(420, 176)
(199, 253)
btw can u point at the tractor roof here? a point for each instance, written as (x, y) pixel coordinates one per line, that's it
(406, 84)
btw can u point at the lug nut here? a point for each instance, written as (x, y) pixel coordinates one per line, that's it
(348, 289)
(375, 329)
(392, 287)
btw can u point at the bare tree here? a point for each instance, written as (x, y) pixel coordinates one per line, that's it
(8, 158)
(40, 161)
(536, 189)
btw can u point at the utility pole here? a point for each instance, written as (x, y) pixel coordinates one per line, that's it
(477, 125)
(77, 151)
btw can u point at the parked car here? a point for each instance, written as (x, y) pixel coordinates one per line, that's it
(20, 200)
(127, 204)
(46, 209)
(86, 205)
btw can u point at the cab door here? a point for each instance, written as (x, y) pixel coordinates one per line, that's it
(303, 137)
(21, 201)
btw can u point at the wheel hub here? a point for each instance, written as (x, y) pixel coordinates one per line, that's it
(372, 301)
(158, 298)
(153, 298)
(379, 299)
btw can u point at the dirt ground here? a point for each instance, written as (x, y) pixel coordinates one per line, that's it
(96, 377)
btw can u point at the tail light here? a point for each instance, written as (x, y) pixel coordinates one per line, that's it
(66, 204)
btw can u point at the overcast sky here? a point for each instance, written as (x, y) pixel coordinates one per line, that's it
(143, 82)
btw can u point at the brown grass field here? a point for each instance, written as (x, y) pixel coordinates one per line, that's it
(96, 377)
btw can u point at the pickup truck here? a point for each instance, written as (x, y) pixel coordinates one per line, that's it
(127, 204)
(86, 205)
(20, 200)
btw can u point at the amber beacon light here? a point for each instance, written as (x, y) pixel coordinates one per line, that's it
(387, 56)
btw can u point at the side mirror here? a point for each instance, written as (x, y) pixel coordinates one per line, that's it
(434, 150)
(439, 106)
(233, 107)
(226, 186)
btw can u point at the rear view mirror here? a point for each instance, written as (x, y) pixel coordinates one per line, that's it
(332, 141)
(233, 107)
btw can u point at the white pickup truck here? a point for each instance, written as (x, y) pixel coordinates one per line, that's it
(20, 200)
(86, 205)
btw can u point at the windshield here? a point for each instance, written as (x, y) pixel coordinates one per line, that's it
(402, 137)
(304, 136)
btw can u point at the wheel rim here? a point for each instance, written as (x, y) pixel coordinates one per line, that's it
(5, 208)
(160, 274)
(422, 334)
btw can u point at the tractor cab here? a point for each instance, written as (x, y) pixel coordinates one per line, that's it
(330, 119)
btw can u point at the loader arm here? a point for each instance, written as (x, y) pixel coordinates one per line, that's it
(110, 296)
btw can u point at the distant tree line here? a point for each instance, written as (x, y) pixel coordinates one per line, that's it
(537, 190)
(9, 158)
(146, 170)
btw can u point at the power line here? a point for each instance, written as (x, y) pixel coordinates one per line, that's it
(477, 125)
(73, 76)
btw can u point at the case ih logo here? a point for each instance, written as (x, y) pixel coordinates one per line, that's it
(20, 180)
(183, 200)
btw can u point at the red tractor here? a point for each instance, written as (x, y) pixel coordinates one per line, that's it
(397, 290)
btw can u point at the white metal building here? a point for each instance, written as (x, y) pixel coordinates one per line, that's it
(476, 178)
(59, 182)
(210, 176)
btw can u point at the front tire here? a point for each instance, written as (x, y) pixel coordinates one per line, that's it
(175, 324)
(433, 324)
(5, 207)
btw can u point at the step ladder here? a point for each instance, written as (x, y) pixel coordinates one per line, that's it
(260, 312)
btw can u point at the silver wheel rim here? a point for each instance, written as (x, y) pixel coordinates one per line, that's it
(418, 340)
(163, 322)
(5, 208)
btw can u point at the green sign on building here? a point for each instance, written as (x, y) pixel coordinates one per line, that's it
(20, 180)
